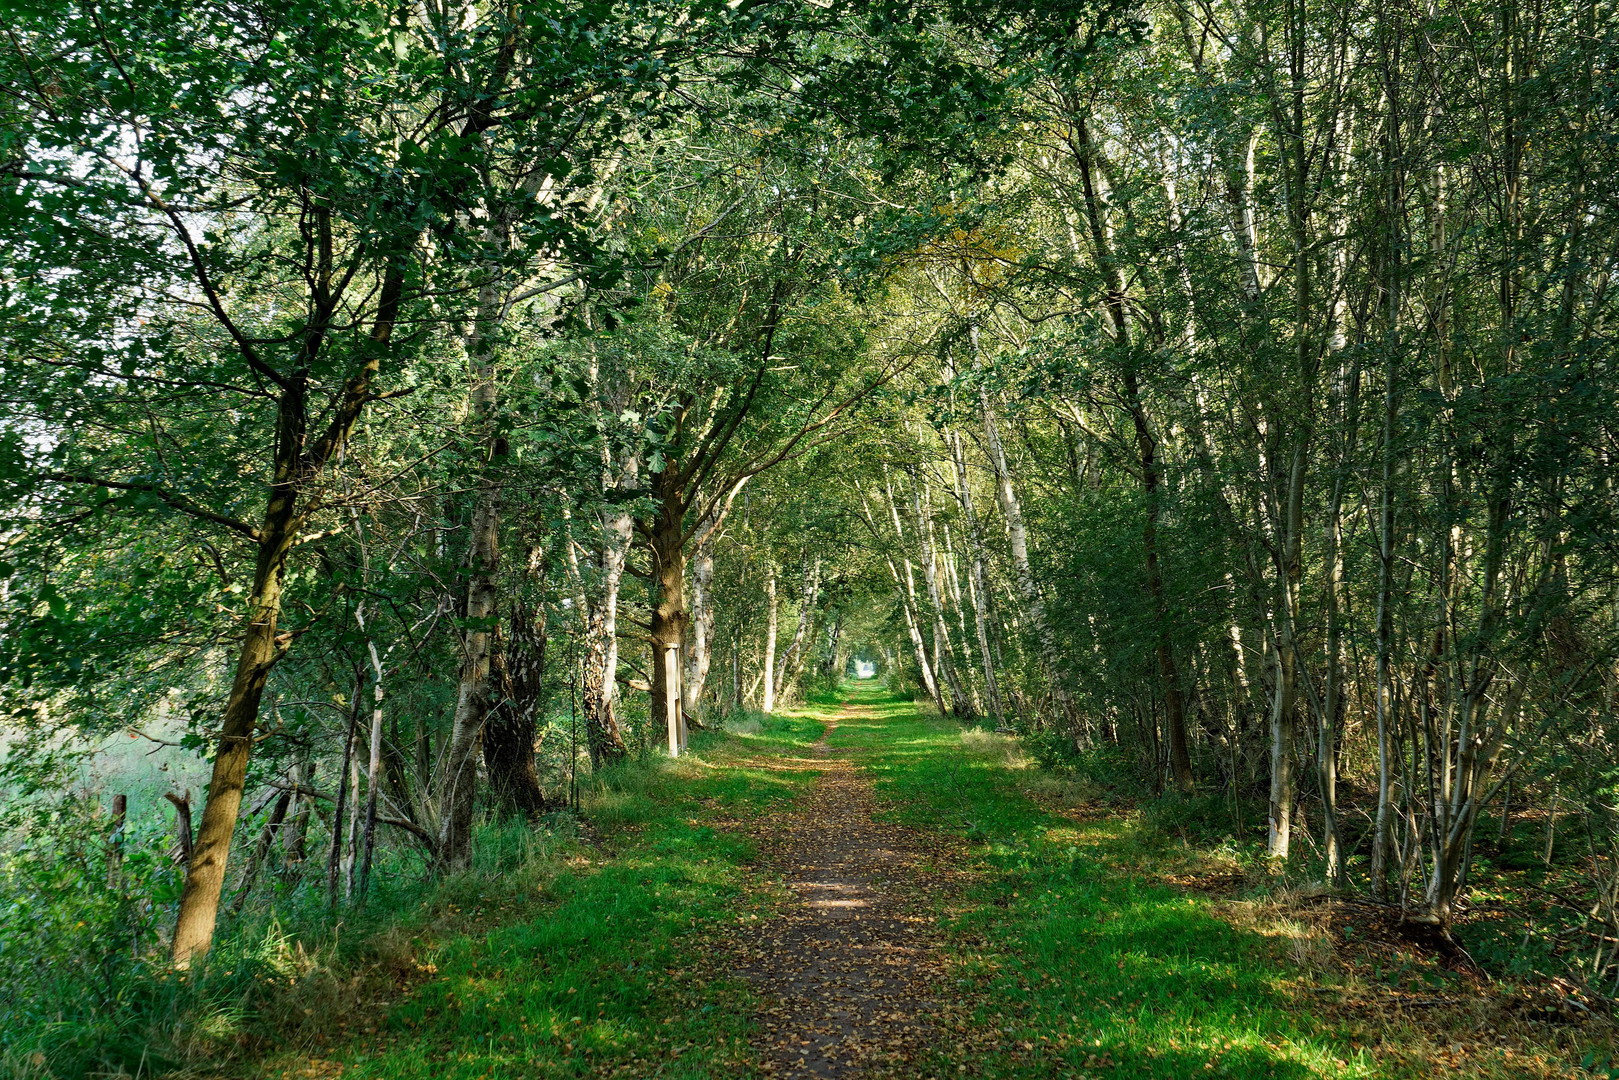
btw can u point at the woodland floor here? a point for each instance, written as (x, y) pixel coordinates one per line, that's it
(856, 890)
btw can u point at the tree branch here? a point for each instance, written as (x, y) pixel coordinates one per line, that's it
(173, 499)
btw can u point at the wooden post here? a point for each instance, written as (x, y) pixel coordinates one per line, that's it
(115, 839)
(182, 822)
(671, 696)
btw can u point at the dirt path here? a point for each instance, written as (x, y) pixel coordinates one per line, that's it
(848, 973)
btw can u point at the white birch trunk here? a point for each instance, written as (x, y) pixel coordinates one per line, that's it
(769, 670)
(792, 662)
(953, 578)
(699, 657)
(907, 601)
(1018, 535)
(977, 584)
(943, 652)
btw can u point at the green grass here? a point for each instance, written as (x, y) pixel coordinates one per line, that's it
(1072, 956)
(1069, 956)
(1080, 958)
(591, 960)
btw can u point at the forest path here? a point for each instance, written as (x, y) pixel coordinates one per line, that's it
(864, 890)
(848, 972)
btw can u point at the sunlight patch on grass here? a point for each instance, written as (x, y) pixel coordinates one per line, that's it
(1003, 750)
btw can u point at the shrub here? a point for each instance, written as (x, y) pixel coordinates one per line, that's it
(81, 949)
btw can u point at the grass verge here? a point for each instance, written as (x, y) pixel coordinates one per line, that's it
(1086, 943)
(599, 957)
(1083, 941)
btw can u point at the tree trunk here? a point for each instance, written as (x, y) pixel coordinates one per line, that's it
(115, 841)
(1284, 721)
(1034, 610)
(1332, 705)
(373, 784)
(346, 793)
(905, 591)
(833, 668)
(674, 721)
(792, 661)
(769, 672)
(978, 583)
(259, 651)
(953, 579)
(351, 848)
(603, 736)
(1327, 722)
(1385, 630)
(943, 652)
(669, 622)
(700, 654)
(296, 849)
(1180, 761)
(1283, 739)
(294, 464)
(518, 676)
(261, 850)
(599, 686)
(460, 776)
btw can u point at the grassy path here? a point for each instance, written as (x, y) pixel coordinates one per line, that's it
(680, 937)
(849, 971)
(1065, 961)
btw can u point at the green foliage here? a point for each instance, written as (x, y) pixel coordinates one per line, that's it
(81, 983)
(509, 300)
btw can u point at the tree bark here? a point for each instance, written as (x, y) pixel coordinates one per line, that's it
(115, 841)
(952, 578)
(293, 466)
(598, 599)
(345, 795)
(1180, 761)
(261, 850)
(700, 654)
(473, 691)
(205, 872)
(1333, 703)
(460, 775)
(373, 784)
(600, 683)
(792, 660)
(978, 583)
(295, 850)
(1034, 609)
(518, 676)
(907, 602)
(670, 621)
(769, 672)
(943, 651)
